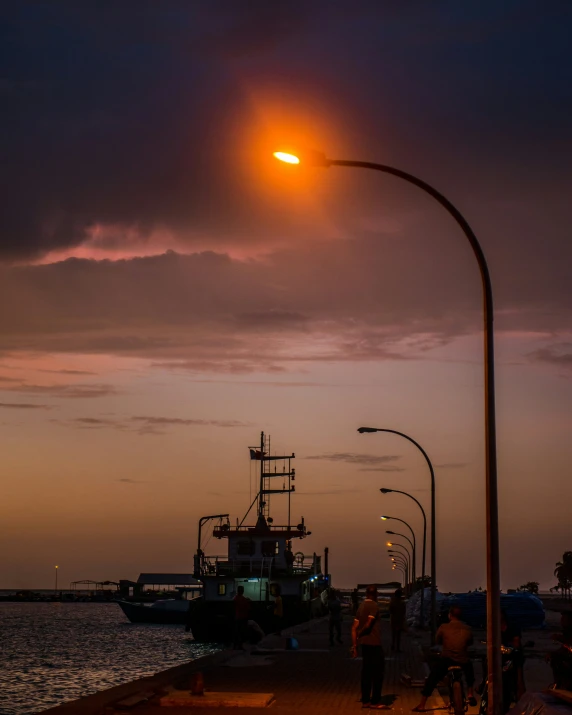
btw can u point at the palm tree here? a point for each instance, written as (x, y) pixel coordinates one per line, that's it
(563, 573)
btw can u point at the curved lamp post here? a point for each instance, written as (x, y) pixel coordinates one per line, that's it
(412, 543)
(395, 518)
(399, 560)
(383, 490)
(491, 497)
(399, 568)
(433, 529)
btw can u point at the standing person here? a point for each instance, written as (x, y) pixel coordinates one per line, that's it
(455, 637)
(366, 630)
(513, 679)
(335, 621)
(278, 611)
(397, 619)
(241, 612)
(561, 660)
(355, 601)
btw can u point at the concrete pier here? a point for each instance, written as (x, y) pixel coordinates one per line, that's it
(312, 677)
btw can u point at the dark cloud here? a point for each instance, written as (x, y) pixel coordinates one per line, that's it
(23, 406)
(67, 372)
(356, 458)
(144, 121)
(71, 391)
(176, 421)
(145, 425)
(451, 465)
(559, 355)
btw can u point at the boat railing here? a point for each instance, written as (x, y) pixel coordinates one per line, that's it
(259, 566)
(225, 529)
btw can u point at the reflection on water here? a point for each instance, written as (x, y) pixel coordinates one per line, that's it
(53, 652)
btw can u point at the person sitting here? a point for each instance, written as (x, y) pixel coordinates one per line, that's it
(455, 637)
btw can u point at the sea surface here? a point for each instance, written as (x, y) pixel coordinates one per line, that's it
(53, 652)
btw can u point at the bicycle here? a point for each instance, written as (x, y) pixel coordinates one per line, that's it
(508, 654)
(457, 700)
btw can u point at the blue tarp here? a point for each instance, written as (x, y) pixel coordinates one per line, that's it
(524, 610)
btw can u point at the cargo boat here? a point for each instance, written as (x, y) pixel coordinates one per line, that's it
(259, 557)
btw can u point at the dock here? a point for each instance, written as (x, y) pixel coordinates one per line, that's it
(313, 677)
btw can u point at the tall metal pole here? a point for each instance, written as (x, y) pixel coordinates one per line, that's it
(495, 705)
(422, 603)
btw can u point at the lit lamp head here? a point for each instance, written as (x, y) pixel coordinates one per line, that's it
(389, 543)
(304, 157)
(384, 518)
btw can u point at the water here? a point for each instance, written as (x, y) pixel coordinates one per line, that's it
(53, 652)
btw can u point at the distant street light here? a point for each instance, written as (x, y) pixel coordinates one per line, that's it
(56, 568)
(402, 563)
(395, 518)
(383, 490)
(314, 158)
(404, 554)
(403, 536)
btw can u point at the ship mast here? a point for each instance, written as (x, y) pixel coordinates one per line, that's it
(266, 475)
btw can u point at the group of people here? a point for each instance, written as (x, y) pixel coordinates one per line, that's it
(455, 638)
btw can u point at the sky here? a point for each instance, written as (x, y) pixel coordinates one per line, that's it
(168, 290)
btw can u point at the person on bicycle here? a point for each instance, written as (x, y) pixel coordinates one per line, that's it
(455, 637)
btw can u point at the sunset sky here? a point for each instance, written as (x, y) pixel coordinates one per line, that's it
(168, 290)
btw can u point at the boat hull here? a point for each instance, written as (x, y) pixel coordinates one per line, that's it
(139, 613)
(214, 622)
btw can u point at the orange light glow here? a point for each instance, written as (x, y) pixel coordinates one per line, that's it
(389, 543)
(288, 158)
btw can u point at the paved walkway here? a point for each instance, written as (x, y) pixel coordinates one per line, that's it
(313, 678)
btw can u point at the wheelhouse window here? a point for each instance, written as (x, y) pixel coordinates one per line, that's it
(269, 548)
(222, 589)
(245, 548)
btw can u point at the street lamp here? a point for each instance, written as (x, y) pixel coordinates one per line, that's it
(402, 564)
(405, 553)
(56, 569)
(395, 518)
(395, 533)
(433, 519)
(383, 490)
(491, 496)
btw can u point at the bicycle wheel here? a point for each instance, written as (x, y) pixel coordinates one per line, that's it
(458, 698)
(484, 706)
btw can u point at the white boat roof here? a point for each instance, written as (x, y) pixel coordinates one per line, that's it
(167, 579)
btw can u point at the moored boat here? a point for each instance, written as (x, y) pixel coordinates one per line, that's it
(259, 557)
(168, 611)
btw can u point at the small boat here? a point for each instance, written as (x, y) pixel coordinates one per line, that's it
(166, 611)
